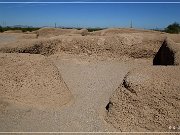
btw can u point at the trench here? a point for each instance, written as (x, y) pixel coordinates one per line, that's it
(165, 56)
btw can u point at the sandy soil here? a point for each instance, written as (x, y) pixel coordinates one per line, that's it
(147, 100)
(32, 79)
(5, 38)
(90, 81)
(92, 67)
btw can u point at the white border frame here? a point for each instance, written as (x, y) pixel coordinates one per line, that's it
(79, 2)
(90, 3)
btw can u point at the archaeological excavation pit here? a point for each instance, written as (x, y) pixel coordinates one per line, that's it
(165, 55)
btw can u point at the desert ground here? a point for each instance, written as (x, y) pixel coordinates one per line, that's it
(68, 80)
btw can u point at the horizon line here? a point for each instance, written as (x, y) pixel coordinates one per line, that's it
(98, 27)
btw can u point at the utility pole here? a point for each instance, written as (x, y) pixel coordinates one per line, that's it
(131, 24)
(3, 23)
(55, 25)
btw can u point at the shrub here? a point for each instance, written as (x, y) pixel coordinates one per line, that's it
(1, 29)
(173, 28)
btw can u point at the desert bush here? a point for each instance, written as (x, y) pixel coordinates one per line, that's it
(173, 28)
(94, 29)
(2, 29)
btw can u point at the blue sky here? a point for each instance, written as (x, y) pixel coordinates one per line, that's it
(90, 15)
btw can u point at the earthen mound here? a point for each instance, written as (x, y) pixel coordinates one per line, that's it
(33, 46)
(13, 31)
(51, 32)
(27, 36)
(136, 45)
(174, 37)
(115, 31)
(82, 32)
(147, 100)
(32, 80)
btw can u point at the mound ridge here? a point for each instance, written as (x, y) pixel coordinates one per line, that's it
(32, 80)
(13, 31)
(147, 100)
(50, 32)
(115, 31)
(136, 45)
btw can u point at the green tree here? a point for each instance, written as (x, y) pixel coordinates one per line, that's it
(1, 29)
(173, 28)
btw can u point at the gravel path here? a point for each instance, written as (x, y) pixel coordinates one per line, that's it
(91, 83)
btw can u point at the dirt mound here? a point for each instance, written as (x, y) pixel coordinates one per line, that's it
(133, 45)
(147, 100)
(32, 80)
(168, 54)
(82, 32)
(32, 46)
(174, 37)
(51, 32)
(114, 31)
(28, 36)
(136, 45)
(13, 31)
